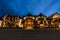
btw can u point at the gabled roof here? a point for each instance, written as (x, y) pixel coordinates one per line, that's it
(41, 14)
(6, 15)
(53, 14)
(15, 15)
(29, 14)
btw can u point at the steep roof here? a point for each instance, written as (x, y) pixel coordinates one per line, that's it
(29, 14)
(15, 15)
(41, 14)
(54, 14)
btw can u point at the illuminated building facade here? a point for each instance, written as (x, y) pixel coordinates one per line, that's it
(30, 21)
(55, 20)
(1, 22)
(6, 21)
(41, 21)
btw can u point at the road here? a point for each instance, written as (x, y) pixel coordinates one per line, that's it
(17, 34)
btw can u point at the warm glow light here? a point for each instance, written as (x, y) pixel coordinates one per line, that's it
(59, 26)
(0, 23)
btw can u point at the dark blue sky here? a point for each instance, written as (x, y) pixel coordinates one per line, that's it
(22, 7)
